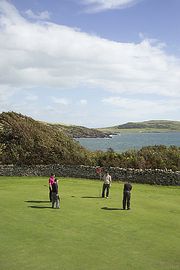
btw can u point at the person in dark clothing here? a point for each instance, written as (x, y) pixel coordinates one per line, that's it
(55, 195)
(127, 195)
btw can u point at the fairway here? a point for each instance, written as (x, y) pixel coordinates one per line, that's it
(87, 232)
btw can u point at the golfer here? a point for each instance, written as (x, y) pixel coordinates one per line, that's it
(106, 185)
(127, 195)
(55, 195)
(51, 181)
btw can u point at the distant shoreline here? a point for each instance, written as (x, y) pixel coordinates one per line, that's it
(109, 135)
(119, 131)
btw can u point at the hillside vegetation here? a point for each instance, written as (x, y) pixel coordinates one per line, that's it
(80, 132)
(148, 157)
(26, 141)
(146, 126)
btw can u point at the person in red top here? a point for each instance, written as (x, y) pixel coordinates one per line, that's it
(51, 181)
(99, 171)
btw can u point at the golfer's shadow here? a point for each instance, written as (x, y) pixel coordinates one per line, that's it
(111, 208)
(37, 201)
(39, 206)
(90, 197)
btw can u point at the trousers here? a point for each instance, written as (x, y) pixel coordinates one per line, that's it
(50, 194)
(105, 189)
(55, 200)
(126, 199)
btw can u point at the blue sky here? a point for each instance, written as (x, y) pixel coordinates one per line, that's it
(94, 63)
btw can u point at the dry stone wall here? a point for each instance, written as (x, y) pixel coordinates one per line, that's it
(157, 177)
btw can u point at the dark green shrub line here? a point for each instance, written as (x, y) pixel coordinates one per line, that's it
(150, 157)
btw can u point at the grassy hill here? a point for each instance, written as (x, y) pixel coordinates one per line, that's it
(146, 126)
(80, 131)
(26, 141)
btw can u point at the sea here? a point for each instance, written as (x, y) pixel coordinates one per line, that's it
(126, 141)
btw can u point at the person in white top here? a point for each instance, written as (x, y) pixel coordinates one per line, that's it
(106, 185)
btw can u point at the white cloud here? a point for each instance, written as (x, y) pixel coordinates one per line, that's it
(6, 93)
(61, 101)
(54, 55)
(39, 16)
(137, 107)
(83, 101)
(102, 5)
(31, 97)
(45, 55)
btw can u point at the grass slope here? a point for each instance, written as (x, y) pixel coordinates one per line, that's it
(87, 232)
(146, 126)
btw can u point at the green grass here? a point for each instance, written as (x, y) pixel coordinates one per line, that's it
(87, 232)
(136, 130)
(145, 126)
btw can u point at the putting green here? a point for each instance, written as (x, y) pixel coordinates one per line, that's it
(87, 232)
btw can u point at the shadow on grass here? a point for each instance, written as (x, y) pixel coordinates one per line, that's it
(111, 208)
(90, 197)
(39, 207)
(37, 201)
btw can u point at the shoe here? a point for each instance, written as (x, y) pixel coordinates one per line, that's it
(106, 197)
